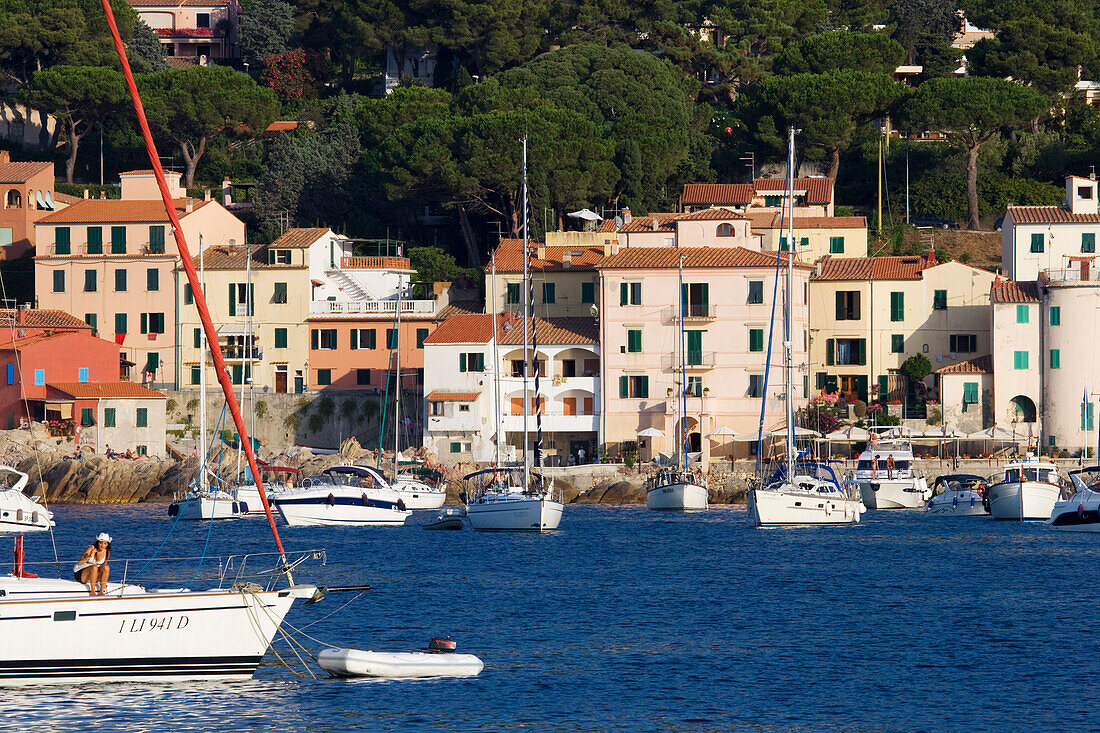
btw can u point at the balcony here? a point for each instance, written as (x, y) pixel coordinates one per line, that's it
(695, 361)
(553, 423)
(1085, 273)
(551, 386)
(371, 307)
(375, 263)
(694, 312)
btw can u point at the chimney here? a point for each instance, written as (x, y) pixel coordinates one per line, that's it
(817, 268)
(540, 251)
(190, 206)
(20, 315)
(85, 193)
(626, 215)
(206, 194)
(656, 224)
(567, 260)
(227, 192)
(5, 156)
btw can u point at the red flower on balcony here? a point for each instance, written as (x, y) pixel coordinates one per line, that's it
(187, 32)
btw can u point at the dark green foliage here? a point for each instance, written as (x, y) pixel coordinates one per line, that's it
(916, 366)
(1044, 56)
(145, 51)
(835, 50)
(265, 30)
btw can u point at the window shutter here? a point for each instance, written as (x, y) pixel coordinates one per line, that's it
(855, 305)
(624, 293)
(372, 339)
(198, 338)
(684, 298)
(861, 387)
(332, 335)
(462, 362)
(481, 362)
(862, 351)
(643, 387)
(953, 343)
(315, 339)
(623, 386)
(233, 300)
(252, 299)
(883, 386)
(830, 348)
(1056, 316)
(840, 306)
(705, 287)
(354, 339)
(145, 323)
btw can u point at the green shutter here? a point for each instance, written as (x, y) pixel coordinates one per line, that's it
(643, 388)
(118, 240)
(1037, 243)
(372, 339)
(1055, 316)
(883, 386)
(315, 339)
(120, 323)
(1055, 359)
(756, 339)
(694, 347)
(970, 393)
(462, 362)
(145, 323)
(62, 240)
(280, 293)
(232, 299)
(480, 362)
(705, 288)
(634, 341)
(897, 343)
(95, 240)
(840, 310)
(354, 339)
(684, 298)
(142, 417)
(156, 238)
(830, 350)
(939, 300)
(897, 307)
(861, 387)
(836, 245)
(548, 293)
(109, 417)
(421, 334)
(280, 338)
(588, 292)
(1021, 313)
(252, 299)
(1020, 360)
(624, 293)
(862, 356)
(1088, 242)
(198, 338)
(624, 386)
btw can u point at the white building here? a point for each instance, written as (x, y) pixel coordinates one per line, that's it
(1017, 363)
(1038, 238)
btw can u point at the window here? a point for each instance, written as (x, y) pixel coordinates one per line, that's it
(120, 281)
(963, 343)
(1037, 243)
(118, 240)
(1055, 359)
(156, 239)
(456, 447)
(634, 387)
(120, 323)
(897, 343)
(847, 305)
(82, 375)
(188, 294)
(569, 367)
(196, 375)
(1088, 242)
(1021, 313)
(588, 292)
(89, 281)
(724, 230)
(695, 300)
(39, 377)
(694, 387)
(846, 352)
(324, 377)
(970, 394)
(939, 300)
(95, 240)
(278, 256)
(630, 293)
(897, 307)
(363, 338)
(109, 416)
(86, 419)
(1019, 360)
(362, 377)
(141, 450)
(783, 247)
(756, 339)
(143, 417)
(61, 241)
(421, 334)
(694, 347)
(1055, 315)
(756, 385)
(756, 292)
(634, 341)
(152, 279)
(280, 338)
(472, 362)
(152, 323)
(280, 293)
(1086, 416)
(240, 295)
(92, 320)
(323, 338)
(836, 245)
(7, 235)
(466, 407)
(436, 409)
(59, 281)
(548, 295)
(391, 338)
(513, 293)
(202, 20)
(1084, 192)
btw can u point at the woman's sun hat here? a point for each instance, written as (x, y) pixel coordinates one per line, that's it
(103, 537)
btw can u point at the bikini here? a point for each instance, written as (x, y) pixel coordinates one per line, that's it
(79, 567)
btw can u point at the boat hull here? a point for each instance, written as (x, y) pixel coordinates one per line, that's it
(203, 508)
(909, 493)
(1022, 500)
(20, 513)
(146, 637)
(341, 506)
(779, 508)
(359, 663)
(1076, 515)
(515, 513)
(419, 495)
(677, 497)
(965, 503)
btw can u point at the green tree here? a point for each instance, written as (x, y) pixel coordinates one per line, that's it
(969, 111)
(874, 53)
(1046, 57)
(265, 30)
(188, 106)
(80, 97)
(917, 367)
(145, 51)
(434, 265)
(922, 23)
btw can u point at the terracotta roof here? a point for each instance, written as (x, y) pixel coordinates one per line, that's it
(181, 62)
(771, 221)
(95, 211)
(716, 193)
(293, 238)
(645, 223)
(818, 190)
(668, 258)
(459, 308)
(1049, 215)
(452, 396)
(465, 328)
(22, 343)
(607, 226)
(96, 390)
(36, 318)
(555, 331)
(979, 365)
(235, 257)
(509, 257)
(22, 171)
(64, 198)
(148, 171)
(711, 214)
(1011, 291)
(872, 268)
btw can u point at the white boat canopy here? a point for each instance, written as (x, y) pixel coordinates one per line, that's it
(721, 432)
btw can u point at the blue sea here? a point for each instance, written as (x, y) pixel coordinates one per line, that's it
(629, 620)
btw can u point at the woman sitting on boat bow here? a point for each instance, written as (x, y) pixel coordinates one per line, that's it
(92, 568)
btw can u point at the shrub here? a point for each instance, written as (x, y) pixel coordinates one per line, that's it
(349, 407)
(192, 405)
(325, 407)
(170, 406)
(261, 409)
(291, 421)
(934, 416)
(888, 419)
(860, 409)
(917, 366)
(316, 422)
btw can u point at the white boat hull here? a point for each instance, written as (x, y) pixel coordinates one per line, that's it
(966, 503)
(778, 507)
(202, 508)
(514, 512)
(359, 663)
(340, 506)
(248, 499)
(21, 513)
(73, 638)
(419, 495)
(1022, 500)
(909, 493)
(677, 496)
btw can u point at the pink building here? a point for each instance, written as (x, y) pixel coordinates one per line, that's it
(812, 196)
(191, 29)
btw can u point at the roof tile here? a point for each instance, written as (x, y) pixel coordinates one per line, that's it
(94, 211)
(1049, 215)
(978, 365)
(235, 257)
(298, 238)
(664, 258)
(38, 318)
(555, 331)
(509, 257)
(452, 396)
(96, 390)
(22, 171)
(1011, 291)
(872, 268)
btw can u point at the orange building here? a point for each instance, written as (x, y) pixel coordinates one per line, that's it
(28, 195)
(358, 352)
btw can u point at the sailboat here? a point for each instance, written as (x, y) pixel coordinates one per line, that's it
(679, 489)
(516, 498)
(56, 633)
(800, 491)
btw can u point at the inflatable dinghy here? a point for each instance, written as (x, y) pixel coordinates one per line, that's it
(359, 663)
(448, 519)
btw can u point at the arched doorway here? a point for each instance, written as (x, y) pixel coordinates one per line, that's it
(693, 443)
(1021, 409)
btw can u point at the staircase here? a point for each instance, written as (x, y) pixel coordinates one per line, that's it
(351, 287)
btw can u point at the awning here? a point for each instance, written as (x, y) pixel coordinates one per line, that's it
(152, 362)
(315, 281)
(235, 329)
(123, 361)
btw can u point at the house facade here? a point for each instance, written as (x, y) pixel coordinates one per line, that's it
(192, 29)
(1016, 313)
(814, 236)
(812, 196)
(28, 196)
(1037, 239)
(564, 278)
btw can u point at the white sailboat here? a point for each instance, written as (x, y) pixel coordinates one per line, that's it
(515, 500)
(799, 492)
(19, 512)
(343, 495)
(678, 489)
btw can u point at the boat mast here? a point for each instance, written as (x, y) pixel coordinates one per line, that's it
(193, 279)
(246, 365)
(397, 380)
(789, 309)
(681, 447)
(202, 384)
(496, 364)
(526, 315)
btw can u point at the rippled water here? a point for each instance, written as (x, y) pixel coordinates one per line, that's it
(639, 621)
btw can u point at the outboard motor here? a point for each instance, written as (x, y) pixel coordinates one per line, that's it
(441, 645)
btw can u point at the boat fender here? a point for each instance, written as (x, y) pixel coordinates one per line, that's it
(331, 500)
(828, 509)
(19, 515)
(955, 501)
(1080, 510)
(173, 509)
(971, 501)
(236, 508)
(243, 506)
(364, 499)
(400, 505)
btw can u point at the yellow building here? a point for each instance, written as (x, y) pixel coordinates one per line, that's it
(564, 278)
(814, 236)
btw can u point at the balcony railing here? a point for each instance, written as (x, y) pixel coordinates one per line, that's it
(693, 360)
(375, 263)
(1073, 274)
(692, 312)
(370, 307)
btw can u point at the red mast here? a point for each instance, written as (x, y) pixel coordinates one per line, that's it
(193, 278)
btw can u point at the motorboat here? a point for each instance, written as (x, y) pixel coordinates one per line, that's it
(420, 487)
(499, 500)
(343, 495)
(431, 663)
(203, 503)
(1080, 512)
(1027, 489)
(958, 495)
(451, 518)
(19, 512)
(247, 496)
(676, 490)
(812, 496)
(885, 475)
